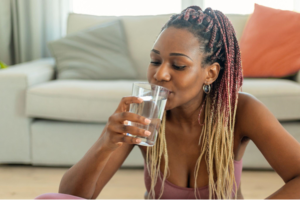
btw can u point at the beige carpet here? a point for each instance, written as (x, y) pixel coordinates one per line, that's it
(27, 182)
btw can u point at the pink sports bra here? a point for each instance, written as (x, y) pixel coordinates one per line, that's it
(172, 191)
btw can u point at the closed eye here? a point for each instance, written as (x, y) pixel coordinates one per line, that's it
(175, 66)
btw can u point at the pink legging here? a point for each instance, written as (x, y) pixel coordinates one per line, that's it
(57, 196)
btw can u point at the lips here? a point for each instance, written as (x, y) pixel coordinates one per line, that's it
(161, 86)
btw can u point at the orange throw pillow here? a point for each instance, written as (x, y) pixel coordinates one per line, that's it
(270, 43)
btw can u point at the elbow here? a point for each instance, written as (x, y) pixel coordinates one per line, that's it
(63, 186)
(66, 187)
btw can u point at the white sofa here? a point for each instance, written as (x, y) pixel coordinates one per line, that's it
(54, 122)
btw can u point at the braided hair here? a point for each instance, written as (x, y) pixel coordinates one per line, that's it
(218, 43)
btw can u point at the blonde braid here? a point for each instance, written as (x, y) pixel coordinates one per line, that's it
(160, 147)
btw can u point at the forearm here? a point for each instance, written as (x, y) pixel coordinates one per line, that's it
(80, 180)
(289, 191)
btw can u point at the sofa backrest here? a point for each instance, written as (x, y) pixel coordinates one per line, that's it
(141, 32)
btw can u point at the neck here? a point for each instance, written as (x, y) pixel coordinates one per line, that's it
(186, 116)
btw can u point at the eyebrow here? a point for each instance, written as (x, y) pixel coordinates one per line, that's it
(171, 54)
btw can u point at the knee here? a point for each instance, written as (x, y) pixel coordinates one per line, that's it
(57, 196)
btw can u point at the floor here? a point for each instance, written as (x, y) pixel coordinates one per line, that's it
(27, 182)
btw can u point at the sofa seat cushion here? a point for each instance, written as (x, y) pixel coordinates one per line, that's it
(77, 100)
(281, 96)
(95, 101)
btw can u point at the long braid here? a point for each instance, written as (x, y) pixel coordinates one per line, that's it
(218, 43)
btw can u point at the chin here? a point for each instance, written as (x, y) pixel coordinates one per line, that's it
(167, 107)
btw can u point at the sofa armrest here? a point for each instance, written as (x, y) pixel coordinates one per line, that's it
(28, 73)
(14, 125)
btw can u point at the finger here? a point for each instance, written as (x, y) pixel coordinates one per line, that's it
(126, 101)
(130, 140)
(123, 129)
(125, 123)
(119, 138)
(133, 117)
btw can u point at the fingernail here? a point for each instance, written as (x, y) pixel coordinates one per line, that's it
(138, 140)
(140, 99)
(147, 133)
(147, 121)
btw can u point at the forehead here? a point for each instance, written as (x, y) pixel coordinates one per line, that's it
(177, 40)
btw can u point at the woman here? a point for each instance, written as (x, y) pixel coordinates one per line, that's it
(197, 154)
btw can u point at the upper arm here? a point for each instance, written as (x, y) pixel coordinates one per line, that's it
(113, 164)
(278, 146)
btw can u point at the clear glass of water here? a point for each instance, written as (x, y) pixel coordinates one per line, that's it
(153, 107)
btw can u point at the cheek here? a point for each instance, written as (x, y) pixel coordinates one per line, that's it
(188, 82)
(188, 87)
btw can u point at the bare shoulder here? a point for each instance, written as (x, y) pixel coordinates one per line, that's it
(244, 98)
(240, 140)
(277, 145)
(243, 101)
(250, 111)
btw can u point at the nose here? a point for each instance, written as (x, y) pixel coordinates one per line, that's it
(162, 73)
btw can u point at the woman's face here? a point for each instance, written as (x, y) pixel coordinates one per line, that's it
(176, 65)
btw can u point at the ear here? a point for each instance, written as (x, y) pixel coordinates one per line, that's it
(212, 73)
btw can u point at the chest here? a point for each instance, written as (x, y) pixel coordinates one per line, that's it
(184, 152)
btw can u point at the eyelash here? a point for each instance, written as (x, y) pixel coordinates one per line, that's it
(176, 67)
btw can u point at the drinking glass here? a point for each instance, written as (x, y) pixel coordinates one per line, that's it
(153, 106)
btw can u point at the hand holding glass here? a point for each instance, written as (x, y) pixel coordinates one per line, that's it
(153, 107)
